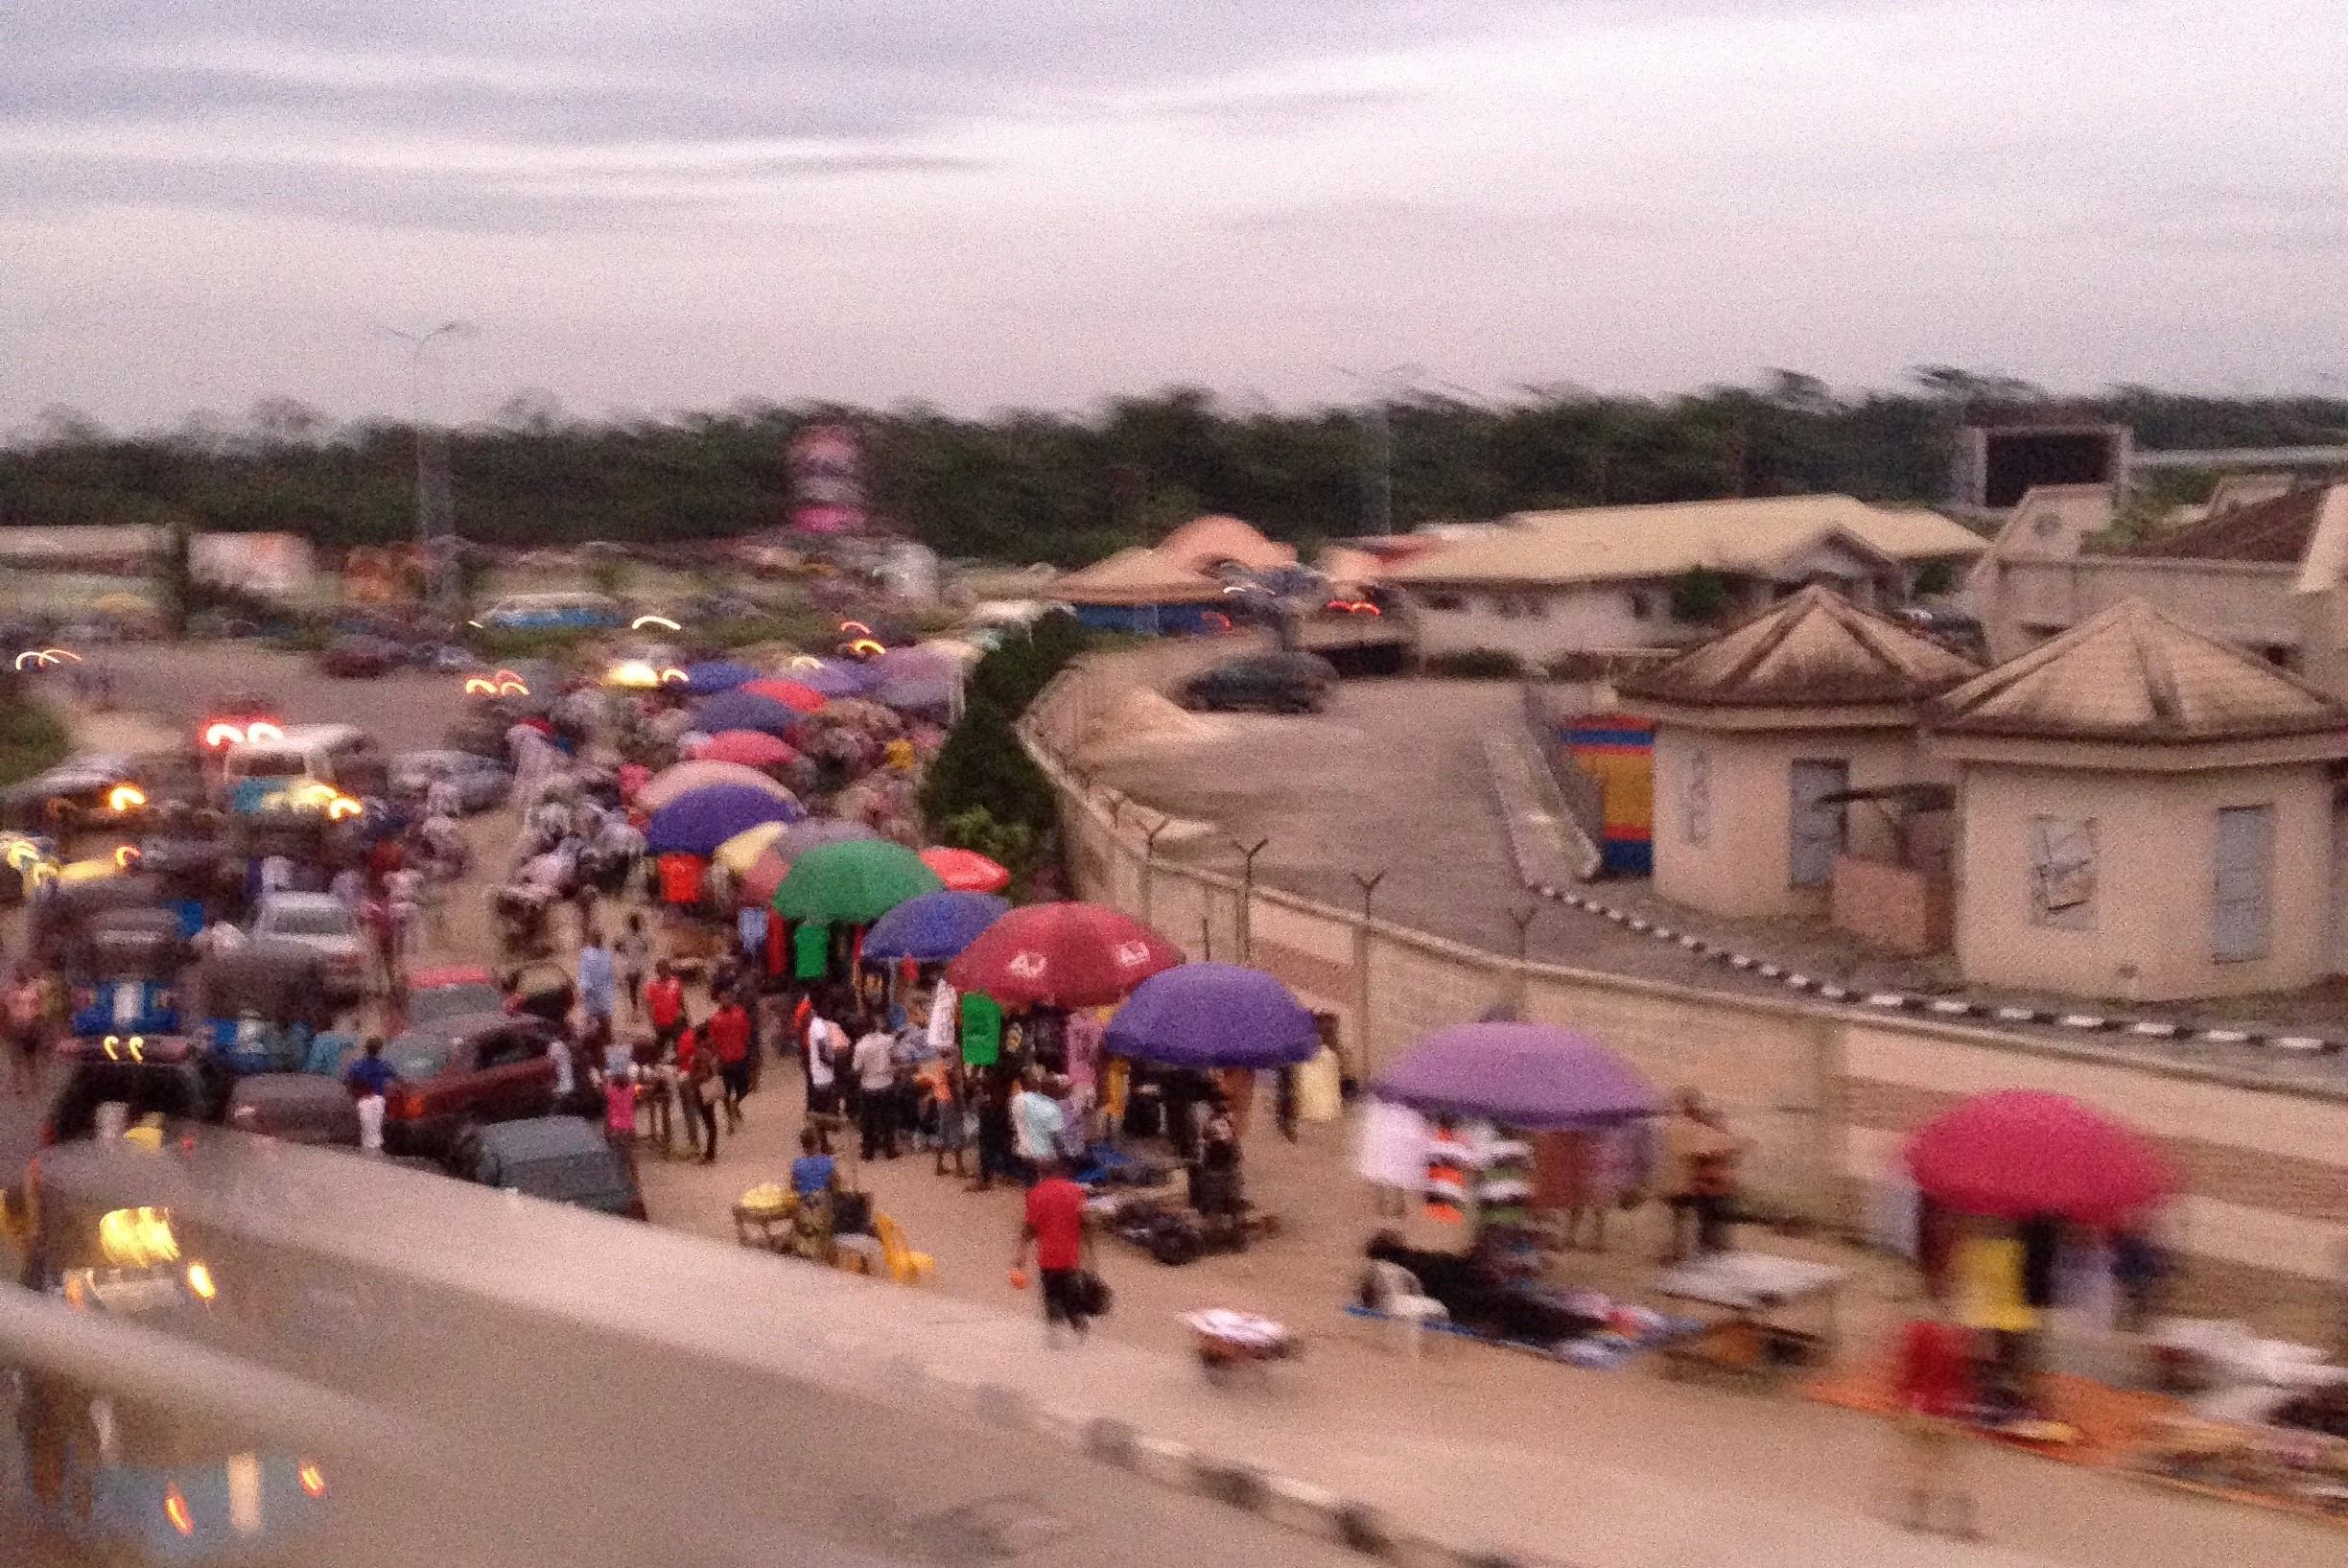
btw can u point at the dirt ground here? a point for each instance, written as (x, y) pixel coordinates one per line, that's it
(1623, 1468)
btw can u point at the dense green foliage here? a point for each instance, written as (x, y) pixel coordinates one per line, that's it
(1045, 486)
(982, 791)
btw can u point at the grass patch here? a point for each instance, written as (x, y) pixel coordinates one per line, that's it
(32, 736)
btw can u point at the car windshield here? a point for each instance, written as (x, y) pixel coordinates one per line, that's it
(271, 764)
(591, 1179)
(418, 1055)
(453, 1001)
(308, 920)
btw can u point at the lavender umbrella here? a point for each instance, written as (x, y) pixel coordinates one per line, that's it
(1526, 1075)
(833, 678)
(1213, 1016)
(739, 709)
(711, 677)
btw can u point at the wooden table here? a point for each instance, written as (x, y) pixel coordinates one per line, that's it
(1751, 1341)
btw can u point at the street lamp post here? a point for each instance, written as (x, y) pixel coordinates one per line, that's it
(436, 500)
(1378, 490)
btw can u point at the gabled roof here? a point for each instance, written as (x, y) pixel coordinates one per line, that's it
(1207, 542)
(1816, 649)
(1136, 575)
(2274, 530)
(1593, 544)
(2133, 674)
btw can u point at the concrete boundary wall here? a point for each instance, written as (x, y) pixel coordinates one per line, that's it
(1823, 1092)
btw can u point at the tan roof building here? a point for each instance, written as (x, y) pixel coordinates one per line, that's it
(1136, 575)
(1762, 735)
(2148, 814)
(1601, 577)
(1206, 544)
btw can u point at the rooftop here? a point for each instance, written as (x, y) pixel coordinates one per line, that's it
(2133, 674)
(1593, 544)
(1136, 575)
(1815, 648)
(2276, 530)
(1204, 542)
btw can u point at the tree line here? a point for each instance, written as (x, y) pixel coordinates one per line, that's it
(1070, 488)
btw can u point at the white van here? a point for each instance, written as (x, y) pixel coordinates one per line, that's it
(337, 754)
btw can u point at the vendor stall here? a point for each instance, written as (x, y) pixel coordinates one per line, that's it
(1756, 1295)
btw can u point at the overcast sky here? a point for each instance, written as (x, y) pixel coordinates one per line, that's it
(654, 204)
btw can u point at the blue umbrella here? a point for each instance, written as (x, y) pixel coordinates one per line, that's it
(745, 710)
(835, 678)
(699, 820)
(934, 926)
(1213, 1016)
(711, 677)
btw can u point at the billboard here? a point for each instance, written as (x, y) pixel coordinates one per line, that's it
(826, 469)
(1997, 465)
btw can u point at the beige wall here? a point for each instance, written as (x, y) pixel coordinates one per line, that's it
(2248, 603)
(1825, 1096)
(1594, 616)
(1743, 866)
(2155, 838)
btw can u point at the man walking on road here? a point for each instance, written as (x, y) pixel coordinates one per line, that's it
(727, 1035)
(665, 1004)
(1054, 1226)
(598, 979)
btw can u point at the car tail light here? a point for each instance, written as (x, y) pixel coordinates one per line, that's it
(222, 736)
(313, 1479)
(408, 1106)
(175, 1509)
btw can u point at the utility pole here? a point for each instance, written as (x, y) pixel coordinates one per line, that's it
(435, 525)
(1377, 422)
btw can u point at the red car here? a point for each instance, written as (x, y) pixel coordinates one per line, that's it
(460, 1073)
(234, 717)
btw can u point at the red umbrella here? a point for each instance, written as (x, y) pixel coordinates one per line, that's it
(1062, 955)
(789, 693)
(966, 871)
(751, 748)
(2019, 1152)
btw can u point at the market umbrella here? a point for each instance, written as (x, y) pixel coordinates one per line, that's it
(762, 876)
(934, 926)
(1213, 1016)
(742, 709)
(711, 677)
(966, 871)
(1532, 1076)
(738, 853)
(1062, 955)
(750, 748)
(919, 691)
(699, 820)
(2020, 1153)
(833, 678)
(701, 773)
(853, 882)
(789, 693)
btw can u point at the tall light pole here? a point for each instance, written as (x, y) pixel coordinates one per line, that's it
(1377, 492)
(436, 525)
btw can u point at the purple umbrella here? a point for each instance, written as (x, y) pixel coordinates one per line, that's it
(1213, 1016)
(1531, 1076)
(711, 677)
(745, 710)
(699, 820)
(835, 678)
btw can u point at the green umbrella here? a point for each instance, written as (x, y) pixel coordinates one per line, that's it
(853, 882)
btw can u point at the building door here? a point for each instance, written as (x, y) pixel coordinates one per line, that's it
(2244, 871)
(1816, 825)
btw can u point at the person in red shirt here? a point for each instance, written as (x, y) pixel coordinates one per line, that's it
(665, 1003)
(727, 1033)
(1935, 1394)
(1054, 1227)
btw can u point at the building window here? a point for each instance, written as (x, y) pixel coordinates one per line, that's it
(1642, 606)
(1696, 797)
(2062, 873)
(1535, 606)
(1447, 603)
(1504, 605)
(1817, 823)
(2243, 866)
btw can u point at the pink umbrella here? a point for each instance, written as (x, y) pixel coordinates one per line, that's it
(750, 748)
(966, 871)
(789, 693)
(1062, 955)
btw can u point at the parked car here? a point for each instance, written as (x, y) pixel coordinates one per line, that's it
(297, 1107)
(166, 1076)
(563, 1159)
(231, 719)
(93, 790)
(462, 1072)
(553, 612)
(455, 991)
(482, 782)
(362, 657)
(325, 925)
(1276, 683)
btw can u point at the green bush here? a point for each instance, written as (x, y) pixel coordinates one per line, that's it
(982, 783)
(1699, 597)
(1474, 665)
(32, 736)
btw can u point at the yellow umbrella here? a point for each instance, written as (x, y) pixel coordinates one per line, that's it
(738, 853)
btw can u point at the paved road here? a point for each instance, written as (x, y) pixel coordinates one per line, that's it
(172, 681)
